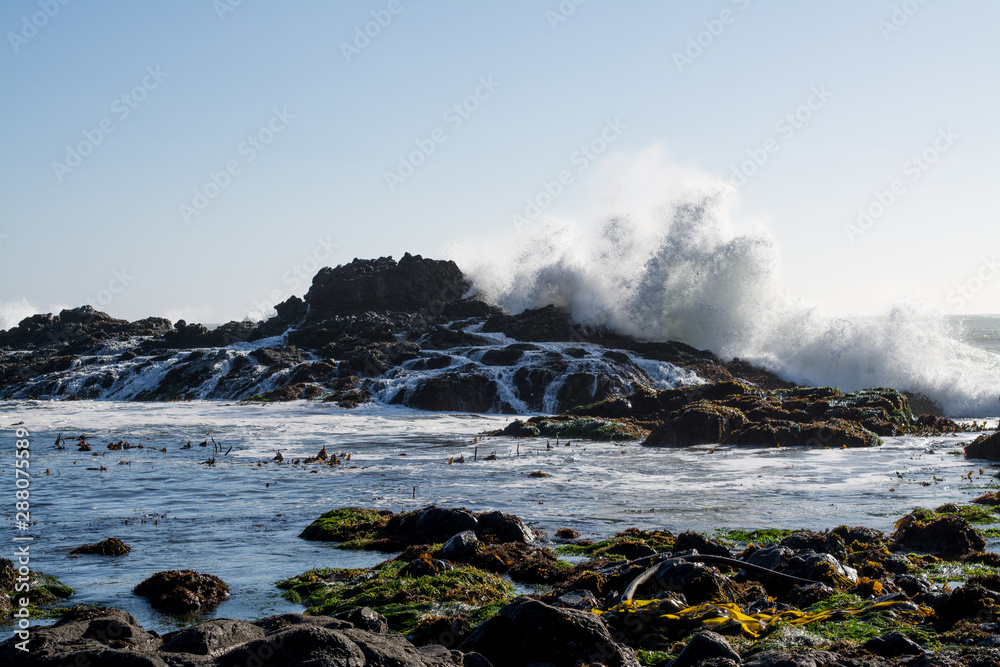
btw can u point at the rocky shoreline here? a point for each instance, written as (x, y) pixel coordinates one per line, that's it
(845, 597)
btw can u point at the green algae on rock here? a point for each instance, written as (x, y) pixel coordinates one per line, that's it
(461, 591)
(42, 589)
(347, 524)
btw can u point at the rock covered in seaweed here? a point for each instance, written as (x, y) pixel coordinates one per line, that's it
(182, 590)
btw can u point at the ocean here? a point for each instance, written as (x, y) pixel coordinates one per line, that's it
(240, 517)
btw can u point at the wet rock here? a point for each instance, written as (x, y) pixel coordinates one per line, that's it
(892, 645)
(502, 528)
(788, 659)
(696, 424)
(692, 540)
(508, 356)
(278, 357)
(828, 543)
(984, 447)
(946, 536)
(704, 646)
(412, 284)
(455, 392)
(460, 548)
(527, 631)
(425, 565)
(365, 618)
(430, 525)
(110, 546)
(211, 638)
(577, 599)
(182, 590)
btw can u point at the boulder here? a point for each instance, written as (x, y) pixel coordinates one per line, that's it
(182, 590)
(704, 646)
(502, 528)
(892, 645)
(429, 525)
(527, 631)
(212, 638)
(984, 447)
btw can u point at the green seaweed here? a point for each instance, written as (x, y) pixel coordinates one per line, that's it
(351, 525)
(404, 601)
(758, 536)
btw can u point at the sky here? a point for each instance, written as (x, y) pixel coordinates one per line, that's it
(202, 159)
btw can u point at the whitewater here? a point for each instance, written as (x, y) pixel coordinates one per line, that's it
(657, 259)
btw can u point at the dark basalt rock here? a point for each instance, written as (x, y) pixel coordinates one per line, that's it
(429, 525)
(182, 590)
(984, 447)
(454, 392)
(697, 424)
(528, 631)
(211, 638)
(892, 645)
(502, 528)
(507, 356)
(412, 284)
(704, 646)
(691, 540)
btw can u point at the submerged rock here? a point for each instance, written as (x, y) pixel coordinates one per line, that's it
(984, 447)
(110, 546)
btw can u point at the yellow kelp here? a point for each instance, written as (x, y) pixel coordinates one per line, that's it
(661, 617)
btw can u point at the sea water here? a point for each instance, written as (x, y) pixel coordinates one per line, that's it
(239, 518)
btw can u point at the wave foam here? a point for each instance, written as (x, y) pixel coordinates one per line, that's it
(660, 261)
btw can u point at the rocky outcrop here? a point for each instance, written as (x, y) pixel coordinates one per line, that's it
(984, 447)
(413, 284)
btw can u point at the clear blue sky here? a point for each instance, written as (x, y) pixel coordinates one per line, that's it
(345, 120)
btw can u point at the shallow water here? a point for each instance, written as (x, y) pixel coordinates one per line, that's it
(240, 520)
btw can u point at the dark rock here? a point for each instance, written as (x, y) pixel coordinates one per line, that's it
(692, 540)
(182, 590)
(892, 645)
(459, 548)
(508, 356)
(211, 638)
(296, 645)
(788, 659)
(429, 525)
(699, 423)
(984, 447)
(278, 357)
(704, 646)
(527, 631)
(577, 599)
(412, 284)
(110, 546)
(365, 618)
(502, 528)
(946, 536)
(827, 543)
(455, 392)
